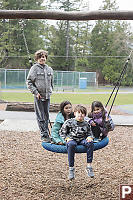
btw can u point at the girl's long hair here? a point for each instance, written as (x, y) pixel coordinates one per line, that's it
(99, 105)
(62, 105)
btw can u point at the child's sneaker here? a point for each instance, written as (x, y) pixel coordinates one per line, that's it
(89, 171)
(96, 140)
(46, 139)
(71, 173)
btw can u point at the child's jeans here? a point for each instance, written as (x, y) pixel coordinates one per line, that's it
(71, 146)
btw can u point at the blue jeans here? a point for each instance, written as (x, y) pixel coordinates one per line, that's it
(71, 146)
(42, 115)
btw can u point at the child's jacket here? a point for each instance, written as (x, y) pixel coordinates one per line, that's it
(59, 121)
(105, 126)
(40, 80)
(75, 130)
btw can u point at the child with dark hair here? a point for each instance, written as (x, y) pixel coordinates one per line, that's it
(100, 122)
(77, 131)
(64, 114)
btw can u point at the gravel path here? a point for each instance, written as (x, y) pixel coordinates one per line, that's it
(28, 172)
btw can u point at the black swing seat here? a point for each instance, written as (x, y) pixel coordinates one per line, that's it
(79, 149)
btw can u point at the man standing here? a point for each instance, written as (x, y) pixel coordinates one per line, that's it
(40, 83)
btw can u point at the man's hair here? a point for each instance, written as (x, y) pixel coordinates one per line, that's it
(40, 53)
(81, 109)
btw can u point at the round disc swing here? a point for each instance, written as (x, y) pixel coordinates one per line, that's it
(80, 148)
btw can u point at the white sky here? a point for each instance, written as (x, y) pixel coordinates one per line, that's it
(123, 4)
(96, 4)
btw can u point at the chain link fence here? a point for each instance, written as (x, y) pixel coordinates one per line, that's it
(63, 80)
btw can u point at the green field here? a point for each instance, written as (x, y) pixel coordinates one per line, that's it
(121, 99)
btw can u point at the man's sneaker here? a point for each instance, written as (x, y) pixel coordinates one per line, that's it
(46, 139)
(90, 172)
(71, 173)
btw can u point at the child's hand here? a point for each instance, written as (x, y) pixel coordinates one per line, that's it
(89, 139)
(68, 139)
(93, 124)
(60, 143)
(107, 118)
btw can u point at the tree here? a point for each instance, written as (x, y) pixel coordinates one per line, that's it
(57, 47)
(12, 38)
(109, 41)
(62, 40)
(81, 47)
(4, 32)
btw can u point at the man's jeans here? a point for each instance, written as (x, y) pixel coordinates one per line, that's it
(42, 114)
(71, 145)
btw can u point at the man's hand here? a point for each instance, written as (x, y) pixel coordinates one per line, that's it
(38, 96)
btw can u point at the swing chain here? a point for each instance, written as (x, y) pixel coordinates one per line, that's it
(21, 22)
(118, 83)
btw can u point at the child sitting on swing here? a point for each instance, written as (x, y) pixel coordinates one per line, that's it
(64, 114)
(77, 131)
(100, 122)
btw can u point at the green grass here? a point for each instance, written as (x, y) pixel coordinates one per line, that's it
(90, 89)
(16, 97)
(121, 99)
